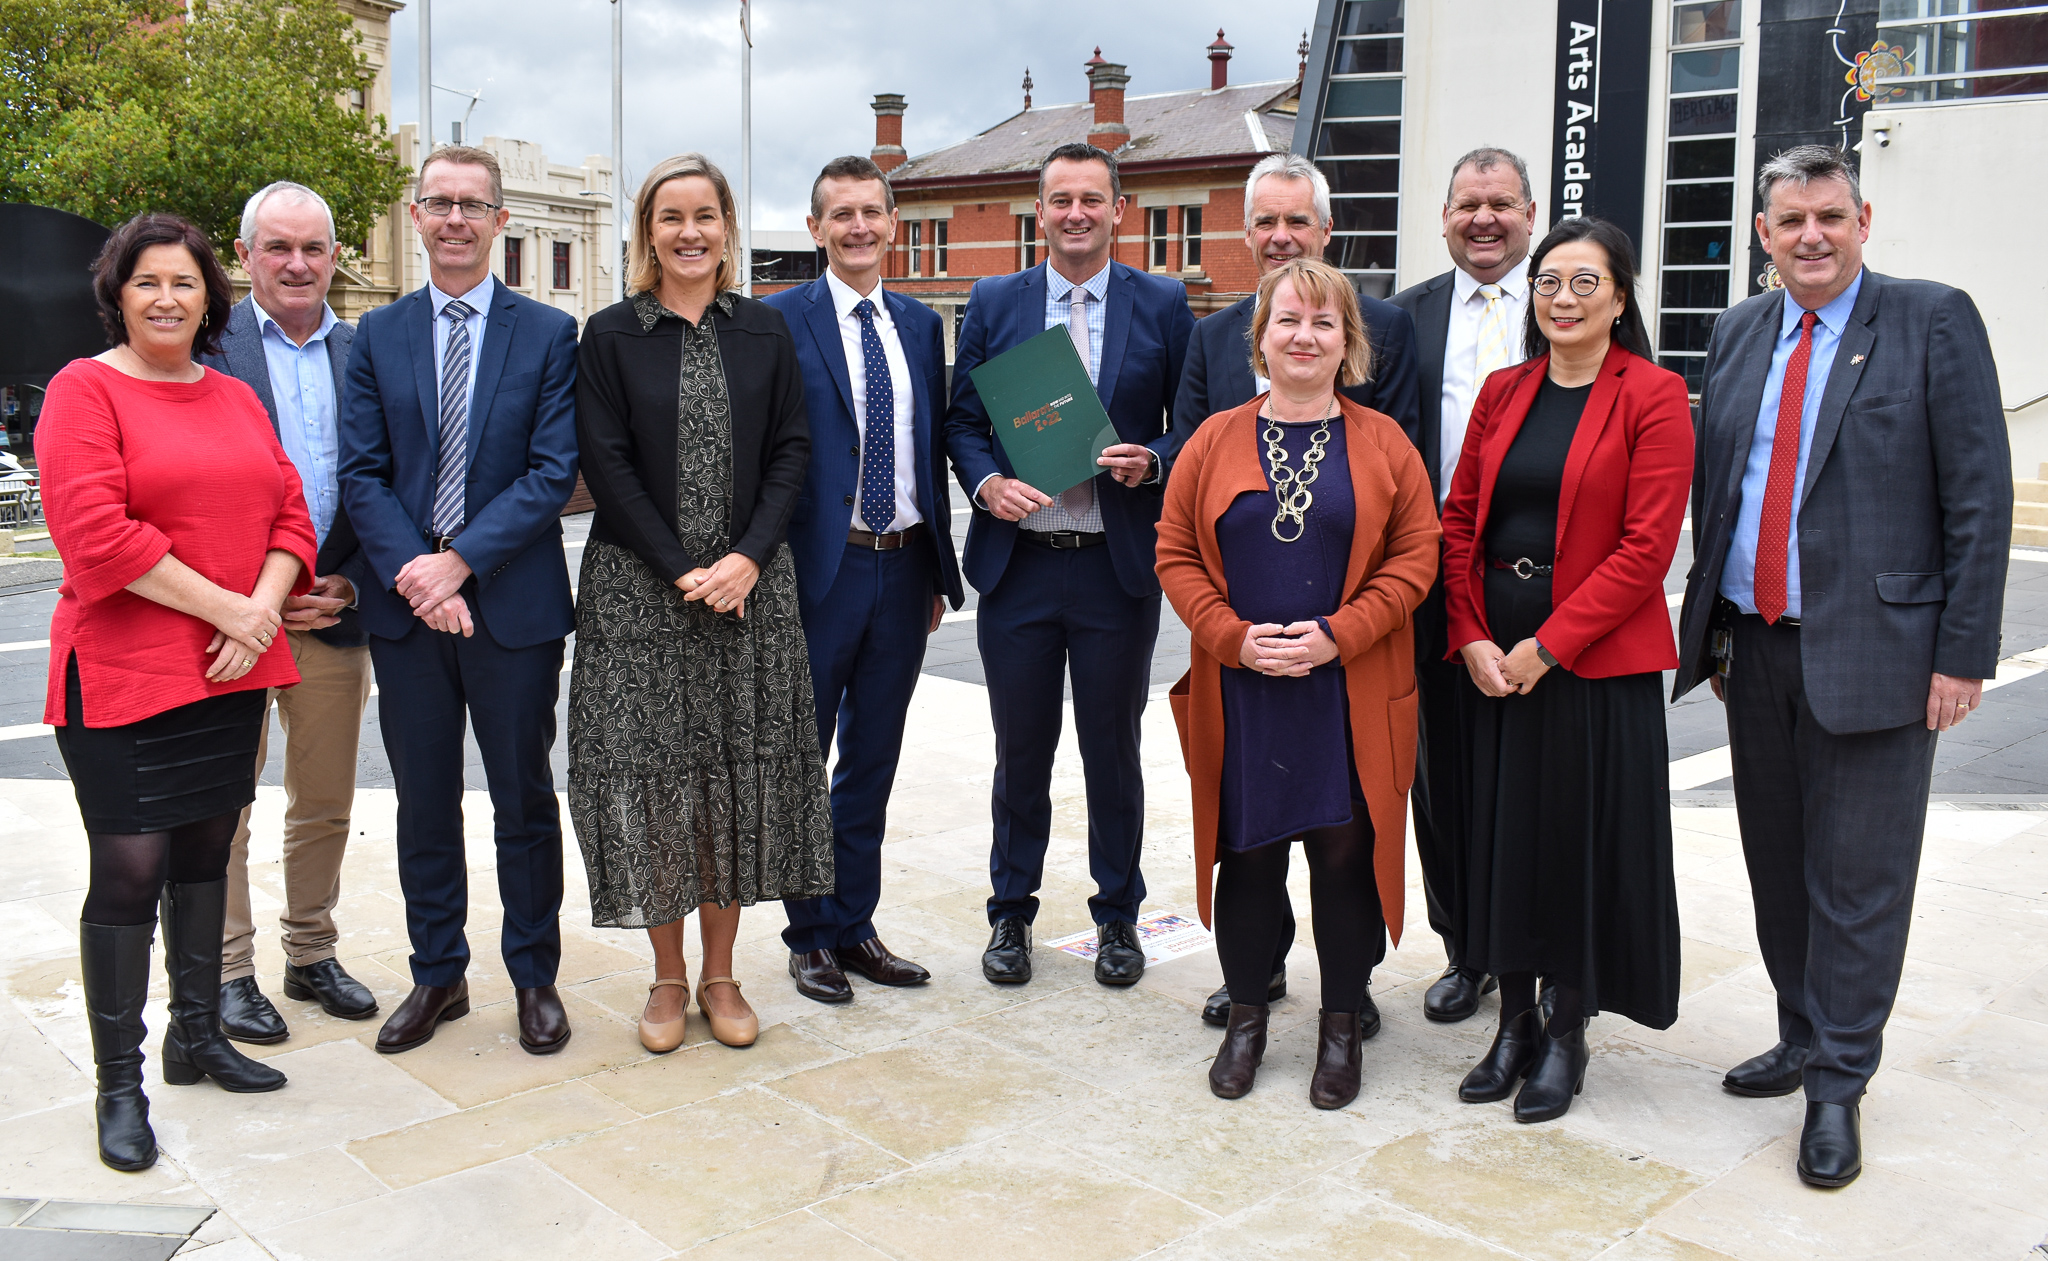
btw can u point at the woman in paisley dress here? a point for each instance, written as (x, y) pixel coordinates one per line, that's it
(695, 782)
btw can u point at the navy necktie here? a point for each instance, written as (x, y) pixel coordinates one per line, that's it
(878, 442)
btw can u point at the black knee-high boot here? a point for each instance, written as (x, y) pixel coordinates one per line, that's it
(194, 1046)
(114, 962)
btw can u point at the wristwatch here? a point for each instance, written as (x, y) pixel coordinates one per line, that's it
(1543, 655)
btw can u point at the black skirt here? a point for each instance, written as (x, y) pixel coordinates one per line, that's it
(195, 762)
(1570, 863)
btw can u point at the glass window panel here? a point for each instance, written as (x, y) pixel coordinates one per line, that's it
(1700, 23)
(1368, 56)
(1363, 98)
(1356, 253)
(1365, 214)
(1378, 176)
(1692, 367)
(1371, 17)
(1696, 245)
(1685, 332)
(1705, 70)
(1703, 115)
(1695, 288)
(1377, 285)
(1191, 237)
(1362, 138)
(1700, 159)
(1699, 203)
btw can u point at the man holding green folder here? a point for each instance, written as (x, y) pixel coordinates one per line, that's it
(1066, 579)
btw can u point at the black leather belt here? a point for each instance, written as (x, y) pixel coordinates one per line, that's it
(1521, 567)
(1063, 540)
(1729, 610)
(884, 542)
(441, 542)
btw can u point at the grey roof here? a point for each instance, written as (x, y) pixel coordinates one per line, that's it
(1164, 126)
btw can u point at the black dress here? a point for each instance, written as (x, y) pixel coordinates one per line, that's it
(1570, 862)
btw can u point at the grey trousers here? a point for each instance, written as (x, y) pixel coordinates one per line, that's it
(1831, 828)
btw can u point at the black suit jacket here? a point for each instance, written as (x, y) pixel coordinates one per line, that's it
(1429, 305)
(241, 357)
(1905, 517)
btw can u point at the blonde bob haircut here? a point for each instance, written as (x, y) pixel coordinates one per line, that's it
(1320, 285)
(643, 269)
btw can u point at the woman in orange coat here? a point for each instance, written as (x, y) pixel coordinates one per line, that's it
(1297, 715)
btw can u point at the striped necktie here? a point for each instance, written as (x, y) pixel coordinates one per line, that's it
(1493, 336)
(452, 469)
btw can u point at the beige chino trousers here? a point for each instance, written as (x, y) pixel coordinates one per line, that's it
(322, 719)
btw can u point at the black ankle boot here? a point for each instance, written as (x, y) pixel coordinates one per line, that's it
(1339, 1055)
(114, 961)
(1506, 1061)
(194, 1046)
(1237, 1060)
(1558, 1073)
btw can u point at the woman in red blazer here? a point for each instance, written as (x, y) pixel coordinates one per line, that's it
(1558, 531)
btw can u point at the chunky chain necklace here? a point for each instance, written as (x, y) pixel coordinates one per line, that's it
(1291, 489)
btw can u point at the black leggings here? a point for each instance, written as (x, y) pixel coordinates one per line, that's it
(1350, 932)
(130, 869)
(1518, 994)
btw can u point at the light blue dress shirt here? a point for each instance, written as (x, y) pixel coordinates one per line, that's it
(1738, 574)
(302, 389)
(479, 300)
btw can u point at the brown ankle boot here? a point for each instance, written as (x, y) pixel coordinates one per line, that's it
(1237, 1060)
(1338, 1049)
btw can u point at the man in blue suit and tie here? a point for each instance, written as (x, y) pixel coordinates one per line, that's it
(1066, 583)
(458, 450)
(873, 544)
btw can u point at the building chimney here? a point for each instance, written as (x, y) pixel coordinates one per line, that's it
(1219, 62)
(1106, 81)
(888, 151)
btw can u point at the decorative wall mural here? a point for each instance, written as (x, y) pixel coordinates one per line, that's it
(1879, 62)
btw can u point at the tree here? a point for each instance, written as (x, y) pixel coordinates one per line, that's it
(109, 108)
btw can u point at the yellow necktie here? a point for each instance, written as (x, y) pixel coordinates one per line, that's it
(1493, 335)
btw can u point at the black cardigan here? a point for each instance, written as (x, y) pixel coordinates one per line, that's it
(627, 383)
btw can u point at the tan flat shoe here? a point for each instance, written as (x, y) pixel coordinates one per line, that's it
(741, 1032)
(668, 1035)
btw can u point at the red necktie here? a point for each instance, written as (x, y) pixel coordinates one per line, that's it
(1775, 529)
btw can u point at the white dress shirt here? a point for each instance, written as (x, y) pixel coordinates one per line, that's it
(479, 300)
(844, 299)
(1461, 357)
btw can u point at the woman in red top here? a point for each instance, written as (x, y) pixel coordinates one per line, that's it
(183, 529)
(1558, 531)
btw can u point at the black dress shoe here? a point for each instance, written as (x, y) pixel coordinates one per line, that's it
(1558, 1074)
(1236, 1065)
(1831, 1145)
(1119, 958)
(1339, 1060)
(874, 961)
(1007, 961)
(1368, 1017)
(543, 1025)
(1217, 1010)
(818, 977)
(247, 1016)
(1778, 1071)
(1456, 994)
(422, 1012)
(1506, 1062)
(325, 982)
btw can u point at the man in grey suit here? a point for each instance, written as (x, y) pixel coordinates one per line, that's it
(1852, 515)
(285, 343)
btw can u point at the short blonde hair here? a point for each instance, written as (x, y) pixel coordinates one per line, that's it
(643, 269)
(1319, 284)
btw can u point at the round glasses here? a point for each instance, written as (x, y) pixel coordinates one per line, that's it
(1584, 284)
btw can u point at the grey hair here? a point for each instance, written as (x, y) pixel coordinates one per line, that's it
(1288, 166)
(1485, 158)
(1802, 164)
(299, 193)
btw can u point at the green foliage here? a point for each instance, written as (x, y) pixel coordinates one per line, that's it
(109, 108)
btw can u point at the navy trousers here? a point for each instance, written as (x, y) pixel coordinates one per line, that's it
(866, 639)
(426, 683)
(1057, 613)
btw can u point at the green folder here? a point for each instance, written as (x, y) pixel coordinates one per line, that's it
(1045, 412)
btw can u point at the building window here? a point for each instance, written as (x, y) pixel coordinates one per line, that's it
(515, 268)
(357, 101)
(939, 246)
(1696, 274)
(916, 248)
(1191, 238)
(1946, 50)
(561, 264)
(1358, 145)
(1156, 238)
(1027, 241)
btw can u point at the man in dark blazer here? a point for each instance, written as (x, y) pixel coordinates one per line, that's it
(1287, 216)
(1468, 322)
(1852, 520)
(873, 543)
(1066, 583)
(458, 442)
(284, 342)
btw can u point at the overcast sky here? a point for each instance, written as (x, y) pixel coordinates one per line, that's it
(544, 68)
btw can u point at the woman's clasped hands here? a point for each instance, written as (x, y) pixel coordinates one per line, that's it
(724, 586)
(1504, 674)
(1286, 652)
(244, 629)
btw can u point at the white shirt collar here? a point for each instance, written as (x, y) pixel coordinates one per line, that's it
(844, 299)
(265, 322)
(479, 298)
(1058, 286)
(1515, 284)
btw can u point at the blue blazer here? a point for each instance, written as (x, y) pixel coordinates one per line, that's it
(1144, 342)
(824, 512)
(522, 461)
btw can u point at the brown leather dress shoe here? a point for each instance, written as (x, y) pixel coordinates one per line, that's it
(1236, 1065)
(873, 960)
(543, 1025)
(423, 1010)
(818, 977)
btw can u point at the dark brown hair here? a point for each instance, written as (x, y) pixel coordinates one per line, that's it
(116, 263)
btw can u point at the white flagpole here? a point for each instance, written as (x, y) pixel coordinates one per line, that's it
(616, 259)
(746, 150)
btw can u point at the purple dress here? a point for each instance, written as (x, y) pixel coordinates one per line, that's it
(1287, 766)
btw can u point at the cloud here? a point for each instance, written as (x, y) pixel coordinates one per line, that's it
(544, 68)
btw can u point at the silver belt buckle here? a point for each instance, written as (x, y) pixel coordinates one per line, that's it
(1523, 568)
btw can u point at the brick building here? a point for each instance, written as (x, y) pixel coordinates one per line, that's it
(968, 210)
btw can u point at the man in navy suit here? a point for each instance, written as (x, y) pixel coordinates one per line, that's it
(873, 544)
(1287, 216)
(1066, 583)
(458, 450)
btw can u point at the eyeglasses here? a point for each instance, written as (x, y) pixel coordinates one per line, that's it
(439, 207)
(1585, 284)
